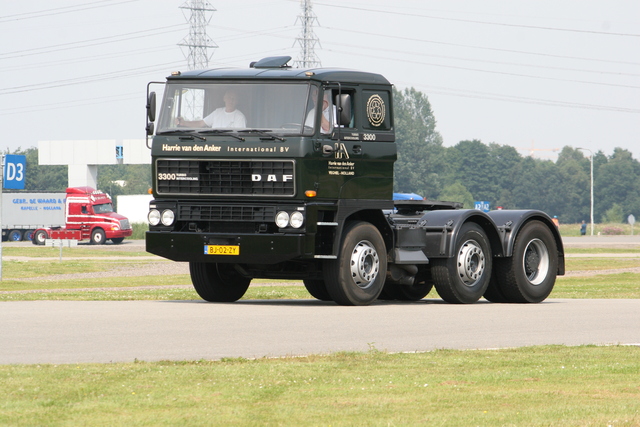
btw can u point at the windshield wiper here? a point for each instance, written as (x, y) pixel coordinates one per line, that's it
(221, 132)
(189, 133)
(264, 132)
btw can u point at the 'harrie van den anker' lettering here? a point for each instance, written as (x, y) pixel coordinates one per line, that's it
(216, 148)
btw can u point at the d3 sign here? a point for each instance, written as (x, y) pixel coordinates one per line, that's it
(15, 168)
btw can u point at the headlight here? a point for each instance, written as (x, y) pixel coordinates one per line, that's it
(282, 219)
(296, 219)
(154, 217)
(167, 217)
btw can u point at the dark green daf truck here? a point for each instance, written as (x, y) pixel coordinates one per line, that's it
(281, 173)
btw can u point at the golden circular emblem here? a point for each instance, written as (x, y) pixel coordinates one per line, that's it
(375, 110)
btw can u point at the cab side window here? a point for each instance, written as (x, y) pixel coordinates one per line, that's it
(344, 101)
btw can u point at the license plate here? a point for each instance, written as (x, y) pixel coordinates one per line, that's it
(221, 250)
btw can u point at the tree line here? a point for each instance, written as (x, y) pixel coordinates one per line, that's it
(469, 171)
(473, 171)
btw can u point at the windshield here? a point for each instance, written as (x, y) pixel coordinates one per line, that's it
(103, 208)
(280, 108)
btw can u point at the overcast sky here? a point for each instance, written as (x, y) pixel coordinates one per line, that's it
(525, 73)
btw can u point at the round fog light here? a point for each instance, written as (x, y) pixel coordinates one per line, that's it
(153, 217)
(296, 219)
(167, 217)
(282, 219)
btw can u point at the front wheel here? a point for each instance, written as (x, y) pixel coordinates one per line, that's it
(98, 237)
(464, 278)
(357, 276)
(530, 274)
(218, 282)
(117, 240)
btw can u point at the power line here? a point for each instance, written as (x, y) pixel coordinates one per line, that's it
(482, 47)
(84, 79)
(457, 58)
(503, 73)
(90, 42)
(470, 21)
(61, 10)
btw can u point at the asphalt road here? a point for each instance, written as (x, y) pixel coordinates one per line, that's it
(114, 331)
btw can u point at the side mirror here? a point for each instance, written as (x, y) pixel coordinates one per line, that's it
(151, 107)
(150, 128)
(343, 102)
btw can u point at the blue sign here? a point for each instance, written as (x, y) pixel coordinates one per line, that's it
(482, 206)
(15, 170)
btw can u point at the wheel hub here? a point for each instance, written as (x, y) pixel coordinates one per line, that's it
(471, 262)
(365, 264)
(536, 262)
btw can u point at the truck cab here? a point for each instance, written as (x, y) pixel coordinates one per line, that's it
(89, 215)
(275, 172)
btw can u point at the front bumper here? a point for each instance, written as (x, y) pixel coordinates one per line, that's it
(254, 248)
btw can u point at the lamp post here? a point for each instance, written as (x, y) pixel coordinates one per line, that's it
(591, 158)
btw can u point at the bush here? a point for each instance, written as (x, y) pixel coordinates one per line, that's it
(614, 214)
(612, 231)
(139, 228)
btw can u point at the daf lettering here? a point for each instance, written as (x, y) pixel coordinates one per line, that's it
(256, 177)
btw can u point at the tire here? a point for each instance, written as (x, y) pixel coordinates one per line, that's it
(530, 274)
(464, 278)
(317, 289)
(39, 237)
(493, 292)
(357, 276)
(98, 237)
(28, 235)
(15, 236)
(117, 240)
(218, 282)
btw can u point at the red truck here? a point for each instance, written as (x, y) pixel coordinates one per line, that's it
(88, 214)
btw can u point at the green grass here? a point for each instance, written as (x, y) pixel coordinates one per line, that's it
(594, 264)
(32, 268)
(535, 386)
(76, 252)
(607, 286)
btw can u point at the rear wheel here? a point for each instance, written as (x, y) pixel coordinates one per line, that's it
(39, 237)
(317, 289)
(530, 274)
(28, 235)
(464, 278)
(218, 282)
(15, 236)
(357, 276)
